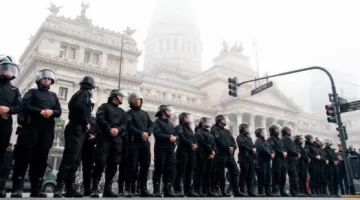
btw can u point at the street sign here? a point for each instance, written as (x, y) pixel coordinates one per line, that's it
(261, 88)
(341, 100)
(348, 107)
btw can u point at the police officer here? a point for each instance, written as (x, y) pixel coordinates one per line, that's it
(342, 178)
(302, 165)
(289, 164)
(140, 128)
(112, 123)
(263, 169)
(185, 156)
(5, 169)
(323, 162)
(76, 132)
(331, 173)
(246, 159)
(205, 155)
(277, 165)
(10, 100)
(165, 138)
(87, 156)
(40, 108)
(315, 157)
(226, 147)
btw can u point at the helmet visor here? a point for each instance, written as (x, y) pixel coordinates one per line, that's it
(169, 110)
(207, 123)
(46, 74)
(9, 70)
(188, 118)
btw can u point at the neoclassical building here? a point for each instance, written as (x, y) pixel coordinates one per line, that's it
(172, 74)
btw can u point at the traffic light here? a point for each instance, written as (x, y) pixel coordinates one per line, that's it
(330, 112)
(344, 130)
(233, 86)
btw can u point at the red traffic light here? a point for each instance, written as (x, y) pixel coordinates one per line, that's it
(329, 107)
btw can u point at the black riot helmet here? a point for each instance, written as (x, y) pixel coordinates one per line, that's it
(182, 117)
(133, 96)
(205, 123)
(242, 128)
(327, 142)
(274, 129)
(259, 131)
(318, 142)
(286, 131)
(298, 139)
(88, 82)
(9, 70)
(221, 119)
(167, 109)
(116, 93)
(309, 138)
(45, 73)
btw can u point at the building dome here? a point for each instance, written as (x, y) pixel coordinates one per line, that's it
(173, 41)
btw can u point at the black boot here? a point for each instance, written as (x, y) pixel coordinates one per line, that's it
(251, 192)
(236, 189)
(284, 193)
(144, 192)
(223, 192)
(71, 191)
(2, 189)
(168, 190)
(156, 192)
(120, 189)
(127, 192)
(201, 192)
(58, 193)
(95, 189)
(191, 192)
(261, 192)
(87, 187)
(36, 189)
(276, 191)
(211, 192)
(108, 190)
(18, 183)
(269, 193)
(134, 190)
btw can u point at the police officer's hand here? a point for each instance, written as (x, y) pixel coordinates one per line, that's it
(49, 113)
(318, 157)
(172, 139)
(87, 128)
(326, 162)
(285, 154)
(213, 153)
(211, 156)
(4, 116)
(4, 109)
(254, 150)
(231, 150)
(272, 156)
(114, 132)
(144, 136)
(194, 147)
(92, 137)
(299, 156)
(336, 163)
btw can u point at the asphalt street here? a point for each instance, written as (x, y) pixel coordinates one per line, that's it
(26, 196)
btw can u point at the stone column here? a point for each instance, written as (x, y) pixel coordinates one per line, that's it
(263, 122)
(239, 119)
(81, 54)
(55, 163)
(274, 121)
(104, 58)
(252, 125)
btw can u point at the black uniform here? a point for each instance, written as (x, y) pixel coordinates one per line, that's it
(314, 181)
(164, 156)
(322, 190)
(185, 158)
(342, 178)
(34, 143)
(278, 167)
(5, 169)
(87, 156)
(331, 172)
(302, 168)
(75, 136)
(108, 149)
(246, 159)
(206, 145)
(10, 97)
(139, 150)
(263, 168)
(290, 165)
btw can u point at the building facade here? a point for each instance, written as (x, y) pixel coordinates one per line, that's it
(73, 48)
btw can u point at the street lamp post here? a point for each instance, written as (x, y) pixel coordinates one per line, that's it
(336, 110)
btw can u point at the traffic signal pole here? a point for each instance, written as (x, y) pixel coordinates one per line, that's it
(337, 114)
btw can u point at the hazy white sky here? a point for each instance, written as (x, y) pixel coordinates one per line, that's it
(290, 33)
